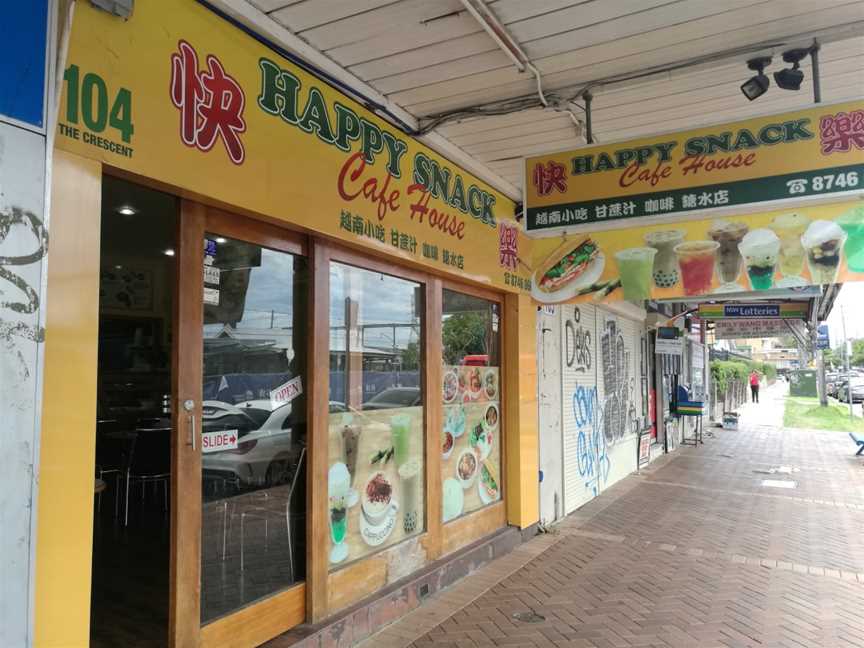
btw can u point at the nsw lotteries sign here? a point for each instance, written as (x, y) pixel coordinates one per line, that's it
(783, 310)
(813, 152)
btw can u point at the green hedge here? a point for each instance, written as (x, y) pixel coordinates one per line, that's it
(726, 372)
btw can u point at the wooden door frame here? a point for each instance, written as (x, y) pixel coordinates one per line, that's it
(255, 623)
(187, 355)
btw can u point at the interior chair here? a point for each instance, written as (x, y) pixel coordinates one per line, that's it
(264, 514)
(149, 463)
(112, 454)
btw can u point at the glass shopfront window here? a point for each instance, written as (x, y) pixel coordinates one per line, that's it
(471, 394)
(376, 449)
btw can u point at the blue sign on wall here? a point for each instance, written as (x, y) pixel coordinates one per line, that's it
(822, 339)
(24, 34)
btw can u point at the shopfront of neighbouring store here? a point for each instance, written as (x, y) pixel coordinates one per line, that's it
(631, 237)
(293, 345)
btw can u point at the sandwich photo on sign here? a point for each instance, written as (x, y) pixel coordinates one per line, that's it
(570, 268)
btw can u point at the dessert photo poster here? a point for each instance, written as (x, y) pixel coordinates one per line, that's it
(785, 248)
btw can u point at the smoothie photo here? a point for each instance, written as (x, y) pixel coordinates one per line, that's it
(728, 235)
(400, 435)
(665, 271)
(696, 260)
(789, 228)
(761, 250)
(823, 242)
(852, 222)
(635, 266)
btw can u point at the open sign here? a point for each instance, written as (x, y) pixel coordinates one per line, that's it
(219, 441)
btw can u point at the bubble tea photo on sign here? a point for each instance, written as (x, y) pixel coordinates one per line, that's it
(635, 267)
(728, 235)
(761, 251)
(696, 259)
(852, 222)
(665, 270)
(823, 242)
(789, 228)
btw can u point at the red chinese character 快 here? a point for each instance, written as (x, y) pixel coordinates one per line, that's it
(508, 250)
(549, 177)
(841, 132)
(210, 101)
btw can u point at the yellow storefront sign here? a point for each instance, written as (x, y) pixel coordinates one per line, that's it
(178, 94)
(815, 152)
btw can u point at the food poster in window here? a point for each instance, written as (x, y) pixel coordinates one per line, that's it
(471, 439)
(376, 446)
(375, 482)
(781, 249)
(471, 400)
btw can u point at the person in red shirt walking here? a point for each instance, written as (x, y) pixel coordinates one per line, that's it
(754, 387)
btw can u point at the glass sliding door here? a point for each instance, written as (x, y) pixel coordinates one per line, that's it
(238, 550)
(253, 423)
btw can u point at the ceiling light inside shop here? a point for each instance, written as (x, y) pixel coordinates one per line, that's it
(127, 210)
(169, 252)
(757, 85)
(221, 239)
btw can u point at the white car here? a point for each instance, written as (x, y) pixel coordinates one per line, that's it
(269, 442)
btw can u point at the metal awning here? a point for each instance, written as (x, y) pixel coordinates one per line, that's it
(651, 65)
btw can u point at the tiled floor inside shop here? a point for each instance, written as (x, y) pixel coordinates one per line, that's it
(695, 551)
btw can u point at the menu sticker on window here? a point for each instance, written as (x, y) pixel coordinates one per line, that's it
(211, 275)
(211, 296)
(219, 441)
(287, 392)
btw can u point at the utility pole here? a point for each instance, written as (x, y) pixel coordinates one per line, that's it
(820, 370)
(848, 361)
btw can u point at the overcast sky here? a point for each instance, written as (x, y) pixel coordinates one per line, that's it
(851, 298)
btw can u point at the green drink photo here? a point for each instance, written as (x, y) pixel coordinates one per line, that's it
(400, 433)
(338, 523)
(852, 222)
(761, 251)
(636, 266)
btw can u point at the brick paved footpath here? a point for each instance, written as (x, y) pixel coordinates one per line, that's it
(693, 551)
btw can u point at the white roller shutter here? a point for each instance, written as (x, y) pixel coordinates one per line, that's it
(578, 400)
(601, 399)
(619, 387)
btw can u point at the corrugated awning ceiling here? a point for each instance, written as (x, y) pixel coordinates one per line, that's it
(432, 56)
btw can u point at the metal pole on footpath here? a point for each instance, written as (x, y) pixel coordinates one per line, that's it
(846, 352)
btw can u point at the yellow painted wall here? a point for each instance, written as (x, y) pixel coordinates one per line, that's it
(520, 344)
(65, 509)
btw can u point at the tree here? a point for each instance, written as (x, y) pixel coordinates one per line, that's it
(464, 334)
(858, 352)
(411, 357)
(833, 358)
(787, 342)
